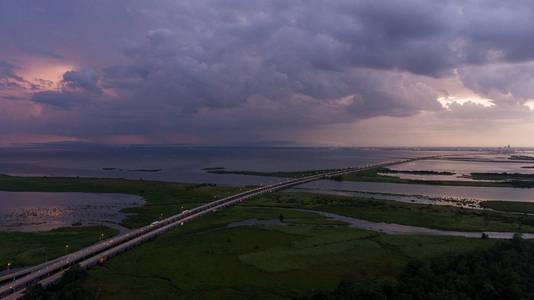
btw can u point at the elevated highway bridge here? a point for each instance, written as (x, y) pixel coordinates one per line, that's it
(13, 285)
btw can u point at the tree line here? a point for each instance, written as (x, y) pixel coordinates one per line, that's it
(504, 271)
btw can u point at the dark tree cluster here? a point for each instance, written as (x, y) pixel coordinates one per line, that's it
(505, 271)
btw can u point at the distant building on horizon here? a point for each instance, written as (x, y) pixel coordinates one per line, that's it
(506, 150)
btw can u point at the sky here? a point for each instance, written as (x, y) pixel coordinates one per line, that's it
(279, 72)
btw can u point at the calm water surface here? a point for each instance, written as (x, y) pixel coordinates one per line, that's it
(398, 229)
(36, 211)
(186, 164)
(388, 228)
(42, 211)
(469, 192)
(462, 168)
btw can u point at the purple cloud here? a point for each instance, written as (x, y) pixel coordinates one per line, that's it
(207, 68)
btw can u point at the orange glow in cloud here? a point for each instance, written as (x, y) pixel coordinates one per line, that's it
(51, 71)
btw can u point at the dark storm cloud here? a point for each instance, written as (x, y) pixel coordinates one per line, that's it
(207, 65)
(85, 80)
(510, 86)
(45, 52)
(76, 87)
(62, 100)
(9, 77)
(499, 30)
(224, 62)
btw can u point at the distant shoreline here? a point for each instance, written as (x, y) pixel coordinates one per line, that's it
(131, 170)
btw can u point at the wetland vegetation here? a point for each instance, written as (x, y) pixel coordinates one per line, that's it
(414, 172)
(510, 206)
(503, 176)
(208, 260)
(161, 199)
(270, 261)
(382, 175)
(29, 248)
(389, 211)
(521, 157)
(503, 271)
(287, 174)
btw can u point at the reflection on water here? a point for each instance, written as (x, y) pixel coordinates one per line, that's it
(36, 211)
(419, 199)
(388, 228)
(463, 168)
(437, 191)
(41, 211)
(391, 228)
(186, 164)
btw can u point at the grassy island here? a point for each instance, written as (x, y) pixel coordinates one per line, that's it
(383, 175)
(211, 258)
(161, 199)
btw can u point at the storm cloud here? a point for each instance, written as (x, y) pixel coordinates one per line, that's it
(168, 70)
